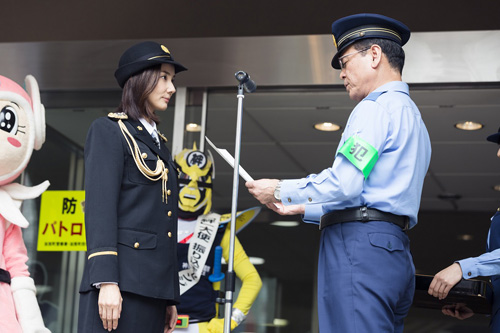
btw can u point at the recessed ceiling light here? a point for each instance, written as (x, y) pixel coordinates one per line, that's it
(327, 127)
(257, 260)
(469, 126)
(285, 223)
(465, 237)
(279, 322)
(192, 127)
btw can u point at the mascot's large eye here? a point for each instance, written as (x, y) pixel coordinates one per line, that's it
(8, 119)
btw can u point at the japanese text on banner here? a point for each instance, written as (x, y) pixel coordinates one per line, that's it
(62, 226)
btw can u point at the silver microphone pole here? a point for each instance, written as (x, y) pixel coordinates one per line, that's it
(244, 84)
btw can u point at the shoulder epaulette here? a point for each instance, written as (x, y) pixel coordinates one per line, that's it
(117, 115)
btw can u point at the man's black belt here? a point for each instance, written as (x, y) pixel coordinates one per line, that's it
(363, 214)
(4, 276)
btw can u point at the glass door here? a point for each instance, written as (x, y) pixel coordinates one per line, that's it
(56, 274)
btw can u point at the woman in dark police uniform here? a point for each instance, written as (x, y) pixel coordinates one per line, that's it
(130, 282)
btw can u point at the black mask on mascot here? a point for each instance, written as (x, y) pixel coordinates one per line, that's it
(196, 172)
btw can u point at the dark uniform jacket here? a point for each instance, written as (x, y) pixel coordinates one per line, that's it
(131, 232)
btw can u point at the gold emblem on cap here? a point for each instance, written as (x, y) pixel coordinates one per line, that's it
(139, 128)
(164, 48)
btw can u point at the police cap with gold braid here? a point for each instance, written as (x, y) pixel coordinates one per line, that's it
(141, 56)
(350, 29)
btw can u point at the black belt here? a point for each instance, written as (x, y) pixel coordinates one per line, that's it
(4, 276)
(363, 214)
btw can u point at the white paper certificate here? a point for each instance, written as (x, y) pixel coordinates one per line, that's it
(230, 159)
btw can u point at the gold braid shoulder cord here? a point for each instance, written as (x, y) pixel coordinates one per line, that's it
(161, 172)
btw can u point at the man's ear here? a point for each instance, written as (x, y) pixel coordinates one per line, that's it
(376, 53)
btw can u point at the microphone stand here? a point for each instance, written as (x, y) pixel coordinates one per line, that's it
(230, 276)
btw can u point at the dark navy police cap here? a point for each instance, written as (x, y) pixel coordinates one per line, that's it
(350, 29)
(494, 137)
(141, 56)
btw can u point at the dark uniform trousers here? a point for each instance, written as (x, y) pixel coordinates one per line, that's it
(131, 232)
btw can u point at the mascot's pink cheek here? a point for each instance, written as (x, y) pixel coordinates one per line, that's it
(14, 142)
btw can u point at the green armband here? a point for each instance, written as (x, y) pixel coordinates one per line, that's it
(360, 153)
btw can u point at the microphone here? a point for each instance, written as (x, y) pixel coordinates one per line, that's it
(244, 79)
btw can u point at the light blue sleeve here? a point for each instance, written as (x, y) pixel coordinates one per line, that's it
(313, 214)
(487, 264)
(325, 186)
(342, 181)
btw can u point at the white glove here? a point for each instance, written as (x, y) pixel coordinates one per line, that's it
(28, 312)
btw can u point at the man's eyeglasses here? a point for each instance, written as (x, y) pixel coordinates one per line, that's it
(343, 63)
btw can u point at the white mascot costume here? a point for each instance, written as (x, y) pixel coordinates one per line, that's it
(22, 129)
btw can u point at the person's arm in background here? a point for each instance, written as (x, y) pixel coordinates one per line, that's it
(487, 264)
(251, 284)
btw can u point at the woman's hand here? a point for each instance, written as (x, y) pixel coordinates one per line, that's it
(170, 319)
(110, 305)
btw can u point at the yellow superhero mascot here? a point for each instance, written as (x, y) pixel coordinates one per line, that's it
(202, 235)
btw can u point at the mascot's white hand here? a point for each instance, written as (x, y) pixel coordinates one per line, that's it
(28, 312)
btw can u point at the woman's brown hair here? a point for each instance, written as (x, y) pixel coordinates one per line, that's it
(135, 94)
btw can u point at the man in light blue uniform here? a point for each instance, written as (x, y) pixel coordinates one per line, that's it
(487, 264)
(371, 194)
